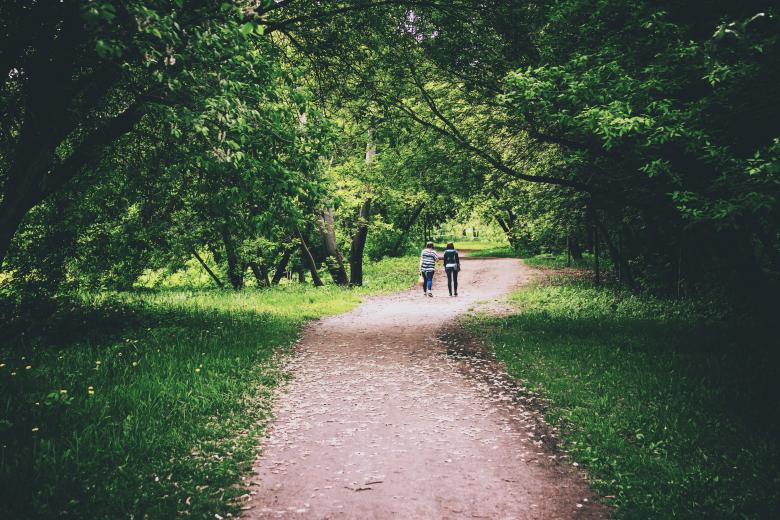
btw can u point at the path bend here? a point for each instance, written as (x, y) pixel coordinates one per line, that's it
(379, 422)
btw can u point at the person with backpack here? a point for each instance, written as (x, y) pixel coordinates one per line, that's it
(428, 259)
(451, 267)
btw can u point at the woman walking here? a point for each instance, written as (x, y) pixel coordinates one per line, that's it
(428, 259)
(451, 267)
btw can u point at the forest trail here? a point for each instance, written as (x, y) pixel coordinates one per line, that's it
(380, 421)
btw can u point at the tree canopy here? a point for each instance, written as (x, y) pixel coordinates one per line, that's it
(261, 137)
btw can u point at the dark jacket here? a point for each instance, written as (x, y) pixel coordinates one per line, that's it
(451, 257)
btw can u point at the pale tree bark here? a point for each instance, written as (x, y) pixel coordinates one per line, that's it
(309, 261)
(334, 258)
(359, 244)
(361, 233)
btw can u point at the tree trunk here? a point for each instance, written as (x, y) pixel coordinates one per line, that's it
(235, 267)
(281, 267)
(334, 259)
(574, 248)
(208, 270)
(596, 266)
(617, 258)
(31, 178)
(359, 244)
(11, 216)
(506, 226)
(406, 227)
(308, 260)
(261, 274)
(359, 239)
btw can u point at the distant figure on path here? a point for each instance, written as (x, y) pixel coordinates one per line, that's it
(451, 267)
(428, 259)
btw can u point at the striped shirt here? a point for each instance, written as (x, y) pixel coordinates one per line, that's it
(428, 259)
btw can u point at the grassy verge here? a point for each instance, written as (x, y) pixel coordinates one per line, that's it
(671, 407)
(558, 261)
(150, 403)
(497, 251)
(470, 245)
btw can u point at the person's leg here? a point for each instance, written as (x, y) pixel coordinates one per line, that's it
(424, 283)
(430, 281)
(449, 279)
(455, 280)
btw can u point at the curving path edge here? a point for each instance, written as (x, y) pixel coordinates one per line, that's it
(380, 422)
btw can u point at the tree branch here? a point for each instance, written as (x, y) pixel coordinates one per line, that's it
(91, 148)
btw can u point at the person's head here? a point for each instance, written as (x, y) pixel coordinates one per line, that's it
(429, 245)
(450, 245)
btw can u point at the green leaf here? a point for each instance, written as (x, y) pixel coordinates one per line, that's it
(247, 28)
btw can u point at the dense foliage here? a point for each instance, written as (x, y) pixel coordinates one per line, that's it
(247, 135)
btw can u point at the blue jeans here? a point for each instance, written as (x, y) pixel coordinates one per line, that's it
(427, 280)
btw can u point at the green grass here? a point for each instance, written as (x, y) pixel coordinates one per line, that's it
(558, 261)
(470, 245)
(671, 407)
(499, 252)
(152, 402)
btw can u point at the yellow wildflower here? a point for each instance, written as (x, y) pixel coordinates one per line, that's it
(197, 370)
(35, 429)
(28, 367)
(63, 391)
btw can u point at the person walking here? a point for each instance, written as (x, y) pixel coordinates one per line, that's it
(451, 267)
(428, 259)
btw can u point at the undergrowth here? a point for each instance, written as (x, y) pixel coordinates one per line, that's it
(148, 403)
(671, 406)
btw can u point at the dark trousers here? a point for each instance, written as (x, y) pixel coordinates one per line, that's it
(452, 277)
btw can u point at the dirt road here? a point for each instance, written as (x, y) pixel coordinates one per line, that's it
(380, 421)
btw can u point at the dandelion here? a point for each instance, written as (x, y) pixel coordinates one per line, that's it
(135, 363)
(2, 365)
(28, 367)
(98, 362)
(37, 403)
(90, 390)
(64, 392)
(13, 373)
(197, 370)
(35, 429)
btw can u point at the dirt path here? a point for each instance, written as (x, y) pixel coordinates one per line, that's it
(380, 422)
